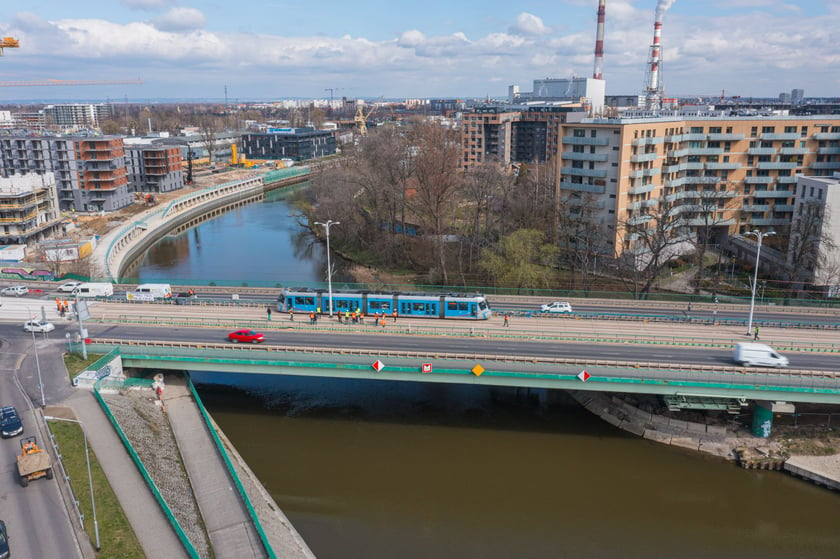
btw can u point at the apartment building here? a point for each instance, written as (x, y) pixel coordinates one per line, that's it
(90, 172)
(28, 208)
(154, 168)
(77, 115)
(513, 133)
(815, 231)
(745, 167)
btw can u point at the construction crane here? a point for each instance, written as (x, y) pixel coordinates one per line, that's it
(8, 43)
(361, 116)
(332, 90)
(38, 83)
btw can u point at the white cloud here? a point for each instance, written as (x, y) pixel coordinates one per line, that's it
(529, 24)
(411, 38)
(147, 4)
(180, 19)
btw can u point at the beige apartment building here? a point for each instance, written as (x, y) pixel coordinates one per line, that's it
(735, 174)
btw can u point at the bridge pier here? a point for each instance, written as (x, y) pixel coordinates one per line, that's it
(762, 425)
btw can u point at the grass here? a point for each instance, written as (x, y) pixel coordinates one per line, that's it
(75, 364)
(117, 539)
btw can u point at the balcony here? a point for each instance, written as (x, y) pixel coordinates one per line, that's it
(572, 156)
(704, 151)
(825, 165)
(645, 173)
(642, 157)
(829, 151)
(768, 221)
(762, 151)
(783, 208)
(673, 183)
(575, 141)
(783, 136)
(786, 180)
(634, 190)
(677, 153)
(776, 165)
(756, 208)
(693, 166)
(772, 194)
(647, 141)
(639, 219)
(727, 166)
(701, 180)
(726, 137)
(827, 136)
(595, 173)
(573, 186)
(795, 151)
(758, 180)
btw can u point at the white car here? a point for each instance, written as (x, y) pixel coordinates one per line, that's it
(38, 326)
(16, 290)
(557, 307)
(68, 287)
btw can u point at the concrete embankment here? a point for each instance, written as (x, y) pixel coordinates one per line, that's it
(719, 440)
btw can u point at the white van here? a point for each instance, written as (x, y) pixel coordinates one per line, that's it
(93, 290)
(758, 355)
(150, 292)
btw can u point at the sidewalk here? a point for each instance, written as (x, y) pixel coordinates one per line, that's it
(226, 519)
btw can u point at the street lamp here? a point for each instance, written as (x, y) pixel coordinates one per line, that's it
(90, 478)
(759, 236)
(37, 363)
(327, 226)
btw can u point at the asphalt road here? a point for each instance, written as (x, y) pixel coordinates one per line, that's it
(35, 516)
(584, 350)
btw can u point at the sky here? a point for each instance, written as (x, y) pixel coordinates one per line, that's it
(279, 49)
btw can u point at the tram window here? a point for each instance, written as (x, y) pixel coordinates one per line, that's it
(457, 306)
(341, 304)
(380, 305)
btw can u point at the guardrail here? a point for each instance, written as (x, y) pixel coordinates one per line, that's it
(200, 349)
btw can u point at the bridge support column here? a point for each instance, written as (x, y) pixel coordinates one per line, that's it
(762, 424)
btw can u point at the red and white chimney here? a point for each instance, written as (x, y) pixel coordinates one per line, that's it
(598, 72)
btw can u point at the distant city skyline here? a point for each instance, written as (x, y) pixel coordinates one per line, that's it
(271, 49)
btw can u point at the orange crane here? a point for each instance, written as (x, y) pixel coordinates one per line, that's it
(8, 43)
(37, 83)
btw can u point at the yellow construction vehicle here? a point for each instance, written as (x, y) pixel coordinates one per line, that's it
(8, 43)
(33, 462)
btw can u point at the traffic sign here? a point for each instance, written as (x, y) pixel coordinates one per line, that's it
(378, 365)
(584, 376)
(426, 368)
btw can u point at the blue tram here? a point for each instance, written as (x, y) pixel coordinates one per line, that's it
(472, 306)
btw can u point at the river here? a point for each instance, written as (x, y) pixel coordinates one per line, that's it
(373, 470)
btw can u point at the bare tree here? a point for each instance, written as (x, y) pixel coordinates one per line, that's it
(581, 237)
(437, 156)
(208, 127)
(708, 213)
(652, 235)
(811, 247)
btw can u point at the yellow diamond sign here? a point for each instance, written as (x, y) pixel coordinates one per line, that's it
(477, 370)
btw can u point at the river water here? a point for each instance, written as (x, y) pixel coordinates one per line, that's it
(405, 470)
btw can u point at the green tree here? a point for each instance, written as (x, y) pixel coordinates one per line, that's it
(521, 259)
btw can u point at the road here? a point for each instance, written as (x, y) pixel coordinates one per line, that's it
(35, 516)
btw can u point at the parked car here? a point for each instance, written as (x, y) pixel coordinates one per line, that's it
(10, 423)
(38, 325)
(246, 336)
(16, 290)
(68, 287)
(4, 541)
(557, 307)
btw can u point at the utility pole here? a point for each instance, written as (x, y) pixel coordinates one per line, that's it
(759, 236)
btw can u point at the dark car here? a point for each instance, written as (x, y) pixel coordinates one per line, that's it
(4, 541)
(11, 424)
(247, 336)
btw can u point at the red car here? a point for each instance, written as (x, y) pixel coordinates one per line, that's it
(247, 336)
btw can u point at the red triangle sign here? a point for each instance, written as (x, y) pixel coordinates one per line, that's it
(378, 365)
(584, 376)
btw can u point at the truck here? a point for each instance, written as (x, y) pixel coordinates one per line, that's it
(33, 462)
(758, 355)
(94, 290)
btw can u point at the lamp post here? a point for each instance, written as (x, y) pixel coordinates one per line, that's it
(90, 478)
(759, 236)
(329, 223)
(37, 364)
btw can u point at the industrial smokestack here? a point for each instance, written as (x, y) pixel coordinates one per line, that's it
(598, 73)
(654, 89)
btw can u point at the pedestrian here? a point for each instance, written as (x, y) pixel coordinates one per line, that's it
(312, 317)
(689, 306)
(394, 314)
(291, 314)
(268, 312)
(347, 317)
(318, 310)
(382, 321)
(338, 314)
(755, 336)
(58, 304)
(507, 320)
